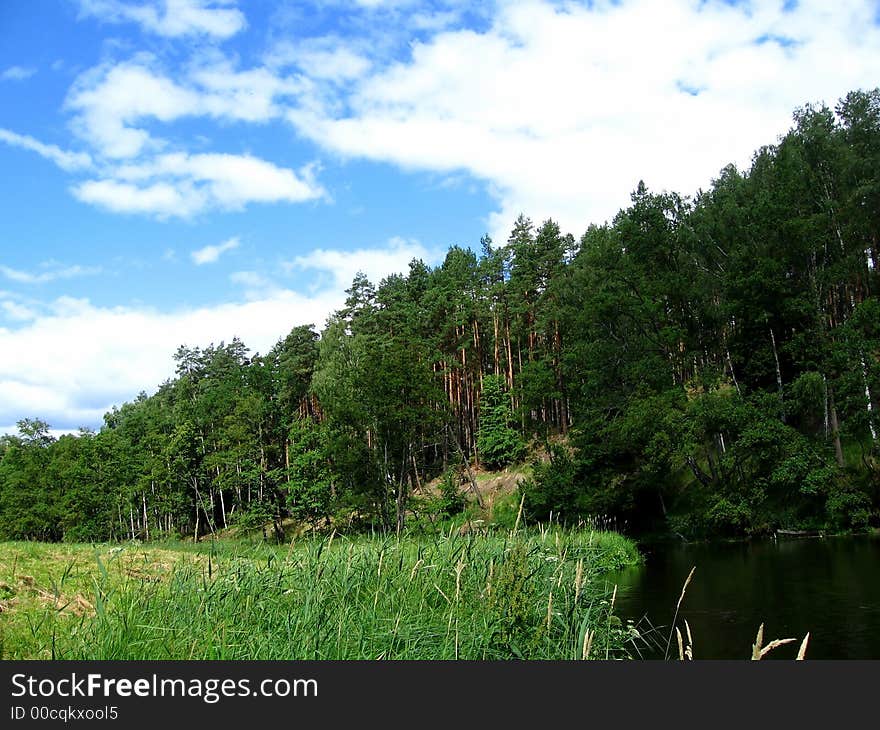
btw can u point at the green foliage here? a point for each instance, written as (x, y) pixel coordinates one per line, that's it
(505, 509)
(497, 443)
(712, 362)
(553, 488)
(452, 501)
(251, 518)
(510, 602)
(310, 482)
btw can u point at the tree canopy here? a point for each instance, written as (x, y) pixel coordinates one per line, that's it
(704, 364)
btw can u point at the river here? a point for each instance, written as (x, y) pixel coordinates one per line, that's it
(829, 586)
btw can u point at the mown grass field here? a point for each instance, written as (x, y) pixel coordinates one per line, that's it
(536, 594)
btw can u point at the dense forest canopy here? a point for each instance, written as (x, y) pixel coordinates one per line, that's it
(705, 365)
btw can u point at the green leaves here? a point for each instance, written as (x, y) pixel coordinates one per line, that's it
(497, 442)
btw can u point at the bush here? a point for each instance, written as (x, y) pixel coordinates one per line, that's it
(553, 487)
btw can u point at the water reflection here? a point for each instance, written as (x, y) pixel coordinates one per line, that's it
(827, 586)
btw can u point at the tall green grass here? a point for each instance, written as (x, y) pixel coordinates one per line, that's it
(530, 594)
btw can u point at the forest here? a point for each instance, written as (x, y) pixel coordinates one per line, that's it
(706, 365)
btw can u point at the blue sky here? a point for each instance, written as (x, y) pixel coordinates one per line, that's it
(186, 171)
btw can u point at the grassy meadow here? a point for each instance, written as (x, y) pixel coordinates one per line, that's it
(531, 594)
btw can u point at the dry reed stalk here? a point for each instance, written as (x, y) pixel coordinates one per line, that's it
(802, 652)
(578, 579)
(415, 568)
(759, 640)
(559, 570)
(677, 607)
(588, 642)
(443, 594)
(549, 610)
(458, 571)
(610, 611)
(519, 514)
(759, 651)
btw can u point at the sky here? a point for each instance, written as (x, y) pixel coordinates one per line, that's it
(189, 171)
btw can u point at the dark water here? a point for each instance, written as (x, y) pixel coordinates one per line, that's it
(828, 586)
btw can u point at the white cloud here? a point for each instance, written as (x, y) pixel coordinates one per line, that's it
(171, 18)
(17, 73)
(383, 4)
(110, 100)
(181, 185)
(251, 95)
(325, 58)
(17, 312)
(52, 272)
(160, 199)
(107, 99)
(71, 366)
(256, 286)
(561, 107)
(69, 161)
(376, 263)
(210, 254)
(74, 360)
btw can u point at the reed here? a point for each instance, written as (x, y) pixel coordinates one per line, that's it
(759, 649)
(501, 596)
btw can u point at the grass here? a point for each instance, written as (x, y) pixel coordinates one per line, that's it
(536, 594)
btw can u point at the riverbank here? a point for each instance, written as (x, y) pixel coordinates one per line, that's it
(533, 594)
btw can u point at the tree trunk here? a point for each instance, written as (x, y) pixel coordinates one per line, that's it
(778, 374)
(146, 518)
(467, 468)
(835, 429)
(870, 404)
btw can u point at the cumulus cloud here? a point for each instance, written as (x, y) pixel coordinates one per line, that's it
(562, 107)
(110, 101)
(69, 161)
(181, 185)
(559, 108)
(340, 267)
(210, 254)
(107, 99)
(111, 104)
(72, 360)
(17, 73)
(171, 18)
(326, 58)
(70, 366)
(161, 199)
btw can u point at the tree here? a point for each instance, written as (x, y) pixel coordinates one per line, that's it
(498, 444)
